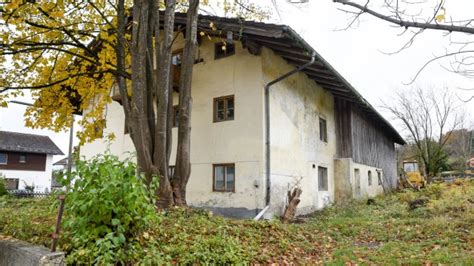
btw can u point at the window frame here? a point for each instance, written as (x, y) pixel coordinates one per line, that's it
(22, 155)
(323, 134)
(215, 101)
(225, 165)
(6, 159)
(326, 183)
(228, 52)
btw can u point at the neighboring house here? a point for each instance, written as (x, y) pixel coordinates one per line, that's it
(26, 160)
(61, 166)
(322, 133)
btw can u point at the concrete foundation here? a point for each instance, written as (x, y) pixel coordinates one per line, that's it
(19, 253)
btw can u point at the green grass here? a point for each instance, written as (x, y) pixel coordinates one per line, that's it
(384, 233)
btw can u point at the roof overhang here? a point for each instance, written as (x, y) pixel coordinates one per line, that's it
(285, 42)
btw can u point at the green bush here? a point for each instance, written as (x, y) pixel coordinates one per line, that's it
(3, 188)
(107, 208)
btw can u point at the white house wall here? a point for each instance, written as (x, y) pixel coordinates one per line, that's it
(40, 179)
(296, 104)
(239, 141)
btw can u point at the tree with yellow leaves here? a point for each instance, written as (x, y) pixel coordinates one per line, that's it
(70, 54)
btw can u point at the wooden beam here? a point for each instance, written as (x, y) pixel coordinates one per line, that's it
(314, 68)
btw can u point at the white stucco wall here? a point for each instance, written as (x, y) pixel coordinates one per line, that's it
(239, 141)
(40, 179)
(296, 104)
(365, 189)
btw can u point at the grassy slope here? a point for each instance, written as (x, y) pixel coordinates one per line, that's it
(385, 233)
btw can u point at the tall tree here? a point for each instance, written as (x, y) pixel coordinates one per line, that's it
(71, 54)
(429, 117)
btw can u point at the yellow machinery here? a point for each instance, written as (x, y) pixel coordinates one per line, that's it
(412, 176)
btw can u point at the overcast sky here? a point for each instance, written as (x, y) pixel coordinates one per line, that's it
(356, 53)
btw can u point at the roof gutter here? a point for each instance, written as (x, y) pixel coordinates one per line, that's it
(267, 123)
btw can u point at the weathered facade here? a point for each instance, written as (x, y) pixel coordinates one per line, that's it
(317, 135)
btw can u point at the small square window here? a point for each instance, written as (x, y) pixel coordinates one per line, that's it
(23, 158)
(223, 49)
(323, 131)
(175, 116)
(322, 178)
(3, 158)
(224, 178)
(224, 108)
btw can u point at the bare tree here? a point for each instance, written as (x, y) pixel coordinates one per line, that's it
(415, 17)
(429, 117)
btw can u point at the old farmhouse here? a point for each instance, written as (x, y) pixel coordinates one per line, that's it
(253, 138)
(26, 160)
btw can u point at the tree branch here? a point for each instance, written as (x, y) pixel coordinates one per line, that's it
(405, 23)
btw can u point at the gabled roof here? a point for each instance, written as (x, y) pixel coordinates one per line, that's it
(285, 42)
(21, 142)
(63, 161)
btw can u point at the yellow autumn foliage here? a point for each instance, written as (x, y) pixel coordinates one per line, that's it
(64, 52)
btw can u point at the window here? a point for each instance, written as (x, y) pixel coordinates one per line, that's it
(175, 116)
(322, 178)
(369, 176)
(224, 108)
(379, 177)
(323, 131)
(171, 169)
(11, 183)
(223, 49)
(23, 158)
(224, 178)
(3, 158)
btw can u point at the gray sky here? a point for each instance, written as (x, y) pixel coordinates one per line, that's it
(355, 53)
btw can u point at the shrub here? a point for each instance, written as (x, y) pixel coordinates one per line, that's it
(107, 207)
(3, 188)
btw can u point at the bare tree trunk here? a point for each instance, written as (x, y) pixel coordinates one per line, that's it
(141, 136)
(163, 56)
(293, 201)
(183, 160)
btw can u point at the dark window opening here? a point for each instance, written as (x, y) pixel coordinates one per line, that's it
(379, 177)
(224, 178)
(322, 178)
(223, 49)
(23, 158)
(323, 131)
(3, 158)
(11, 183)
(224, 108)
(369, 176)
